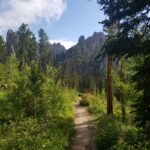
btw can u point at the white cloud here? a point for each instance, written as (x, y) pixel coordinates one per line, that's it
(15, 12)
(65, 42)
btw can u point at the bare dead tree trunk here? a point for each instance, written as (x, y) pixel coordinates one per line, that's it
(109, 86)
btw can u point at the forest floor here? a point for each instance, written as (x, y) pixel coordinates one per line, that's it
(84, 130)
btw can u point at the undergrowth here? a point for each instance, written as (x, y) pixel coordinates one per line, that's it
(112, 133)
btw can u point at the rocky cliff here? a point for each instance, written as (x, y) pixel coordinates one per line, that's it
(80, 69)
(11, 41)
(87, 48)
(58, 52)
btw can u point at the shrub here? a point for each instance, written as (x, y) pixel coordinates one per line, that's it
(108, 132)
(41, 133)
(97, 107)
(36, 111)
(131, 138)
(80, 94)
(84, 102)
(112, 134)
(86, 99)
(31, 134)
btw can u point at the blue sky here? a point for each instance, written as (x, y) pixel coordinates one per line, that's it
(63, 20)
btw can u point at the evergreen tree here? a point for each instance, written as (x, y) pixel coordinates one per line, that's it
(23, 44)
(9, 75)
(44, 54)
(32, 52)
(123, 87)
(2, 44)
(27, 49)
(2, 48)
(132, 38)
(142, 104)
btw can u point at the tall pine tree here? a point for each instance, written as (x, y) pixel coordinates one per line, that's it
(132, 38)
(27, 49)
(2, 49)
(44, 53)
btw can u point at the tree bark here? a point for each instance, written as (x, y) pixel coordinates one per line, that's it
(109, 86)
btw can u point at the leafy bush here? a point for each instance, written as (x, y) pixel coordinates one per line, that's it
(122, 145)
(31, 134)
(84, 102)
(86, 99)
(131, 138)
(108, 132)
(96, 103)
(36, 111)
(80, 94)
(112, 134)
(41, 133)
(97, 107)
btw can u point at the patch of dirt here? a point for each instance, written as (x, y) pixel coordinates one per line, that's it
(84, 130)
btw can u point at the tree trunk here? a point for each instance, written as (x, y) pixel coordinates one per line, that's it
(123, 105)
(109, 86)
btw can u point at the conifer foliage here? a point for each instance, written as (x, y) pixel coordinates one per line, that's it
(36, 110)
(131, 38)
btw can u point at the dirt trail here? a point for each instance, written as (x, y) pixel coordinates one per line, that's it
(84, 130)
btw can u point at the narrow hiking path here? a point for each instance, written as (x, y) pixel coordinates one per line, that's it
(84, 130)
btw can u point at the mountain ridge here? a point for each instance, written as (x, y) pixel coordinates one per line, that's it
(85, 47)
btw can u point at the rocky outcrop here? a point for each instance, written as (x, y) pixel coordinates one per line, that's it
(58, 52)
(95, 42)
(87, 48)
(80, 69)
(11, 41)
(57, 49)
